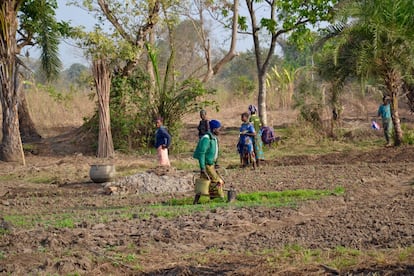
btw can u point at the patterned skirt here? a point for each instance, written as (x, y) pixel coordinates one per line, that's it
(258, 147)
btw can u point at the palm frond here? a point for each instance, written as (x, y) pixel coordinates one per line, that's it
(37, 19)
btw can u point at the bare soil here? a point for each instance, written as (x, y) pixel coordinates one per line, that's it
(376, 214)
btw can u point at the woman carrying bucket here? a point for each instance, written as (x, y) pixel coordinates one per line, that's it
(206, 153)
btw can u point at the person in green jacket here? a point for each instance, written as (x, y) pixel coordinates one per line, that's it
(206, 153)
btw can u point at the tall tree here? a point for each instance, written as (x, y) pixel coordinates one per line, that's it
(385, 46)
(135, 24)
(105, 53)
(283, 16)
(116, 53)
(23, 23)
(387, 51)
(11, 148)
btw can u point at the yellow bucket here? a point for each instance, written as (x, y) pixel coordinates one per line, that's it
(201, 186)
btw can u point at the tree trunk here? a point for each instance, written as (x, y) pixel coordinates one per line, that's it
(393, 82)
(28, 132)
(261, 100)
(102, 77)
(262, 66)
(398, 134)
(408, 89)
(11, 149)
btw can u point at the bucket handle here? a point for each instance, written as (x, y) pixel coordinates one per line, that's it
(208, 177)
(196, 174)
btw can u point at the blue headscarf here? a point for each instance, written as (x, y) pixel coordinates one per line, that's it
(214, 124)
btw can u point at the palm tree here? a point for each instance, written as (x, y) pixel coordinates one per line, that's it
(384, 49)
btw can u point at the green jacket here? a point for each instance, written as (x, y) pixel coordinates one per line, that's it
(206, 151)
(255, 120)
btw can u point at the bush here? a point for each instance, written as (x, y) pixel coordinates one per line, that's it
(408, 135)
(134, 105)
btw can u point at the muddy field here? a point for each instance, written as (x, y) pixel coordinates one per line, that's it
(373, 221)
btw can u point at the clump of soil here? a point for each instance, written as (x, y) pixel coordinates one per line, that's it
(160, 180)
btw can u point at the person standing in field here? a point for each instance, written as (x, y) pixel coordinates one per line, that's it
(162, 142)
(203, 126)
(257, 141)
(245, 144)
(384, 111)
(206, 153)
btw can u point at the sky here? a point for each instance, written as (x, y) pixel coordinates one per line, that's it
(69, 53)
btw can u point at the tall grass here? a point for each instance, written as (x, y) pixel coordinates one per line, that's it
(53, 110)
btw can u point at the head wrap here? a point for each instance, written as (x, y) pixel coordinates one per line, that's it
(252, 109)
(214, 124)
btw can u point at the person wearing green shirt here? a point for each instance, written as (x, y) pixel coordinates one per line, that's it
(206, 153)
(384, 111)
(257, 141)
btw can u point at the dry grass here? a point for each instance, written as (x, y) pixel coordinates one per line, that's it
(51, 116)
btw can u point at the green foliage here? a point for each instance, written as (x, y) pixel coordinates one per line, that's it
(38, 23)
(134, 107)
(169, 209)
(77, 76)
(287, 195)
(408, 136)
(243, 86)
(280, 198)
(292, 15)
(243, 65)
(42, 179)
(309, 101)
(129, 106)
(297, 55)
(171, 100)
(63, 223)
(379, 40)
(377, 43)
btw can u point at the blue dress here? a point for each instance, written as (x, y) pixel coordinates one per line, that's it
(245, 141)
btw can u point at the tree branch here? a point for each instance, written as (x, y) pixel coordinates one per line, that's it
(152, 20)
(213, 70)
(114, 20)
(232, 51)
(25, 40)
